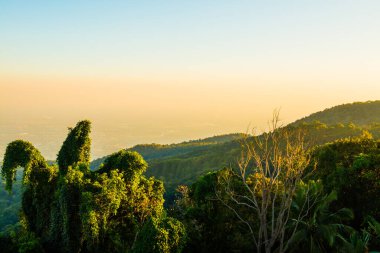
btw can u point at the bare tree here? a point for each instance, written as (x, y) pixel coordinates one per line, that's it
(270, 168)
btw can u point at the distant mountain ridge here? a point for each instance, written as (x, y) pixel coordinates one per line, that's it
(358, 113)
(152, 151)
(161, 151)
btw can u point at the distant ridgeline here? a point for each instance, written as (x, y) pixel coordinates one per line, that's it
(183, 163)
(358, 113)
(158, 151)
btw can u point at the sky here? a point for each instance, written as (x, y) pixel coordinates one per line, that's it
(170, 71)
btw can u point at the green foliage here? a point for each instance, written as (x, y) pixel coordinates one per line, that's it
(210, 225)
(10, 203)
(352, 168)
(114, 209)
(66, 224)
(359, 113)
(29, 243)
(357, 242)
(322, 229)
(18, 239)
(76, 148)
(373, 230)
(37, 198)
(77, 210)
(168, 235)
(7, 246)
(20, 153)
(129, 162)
(325, 227)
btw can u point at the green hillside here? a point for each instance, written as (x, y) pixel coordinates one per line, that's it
(10, 204)
(159, 151)
(185, 169)
(358, 113)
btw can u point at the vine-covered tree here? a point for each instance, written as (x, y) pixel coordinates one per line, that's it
(168, 233)
(24, 154)
(68, 208)
(76, 148)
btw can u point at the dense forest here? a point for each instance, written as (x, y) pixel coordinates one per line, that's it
(68, 208)
(358, 113)
(311, 186)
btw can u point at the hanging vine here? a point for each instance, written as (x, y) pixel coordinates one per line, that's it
(68, 208)
(20, 153)
(76, 148)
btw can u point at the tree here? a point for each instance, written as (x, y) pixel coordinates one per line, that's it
(20, 153)
(321, 229)
(210, 225)
(76, 148)
(169, 233)
(351, 168)
(269, 171)
(68, 208)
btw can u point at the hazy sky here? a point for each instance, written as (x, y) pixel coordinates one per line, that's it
(167, 71)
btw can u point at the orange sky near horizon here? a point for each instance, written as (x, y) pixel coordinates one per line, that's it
(130, 111)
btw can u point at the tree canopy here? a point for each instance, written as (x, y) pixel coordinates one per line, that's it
(68, 208)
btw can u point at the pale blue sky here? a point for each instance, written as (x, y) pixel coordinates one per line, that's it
(139, 37)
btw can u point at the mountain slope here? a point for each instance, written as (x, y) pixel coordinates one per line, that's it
(358, 113)
(185, 169)
(158, 151)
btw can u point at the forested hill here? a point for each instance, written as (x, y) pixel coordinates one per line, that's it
(158, 151)
(358, 113)
(188, 163)
(186, 168)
